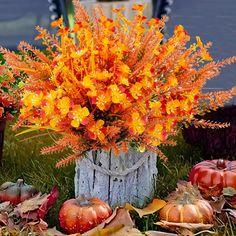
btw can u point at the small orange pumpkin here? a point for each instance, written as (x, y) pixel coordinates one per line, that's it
(82, 214)
(186, 205)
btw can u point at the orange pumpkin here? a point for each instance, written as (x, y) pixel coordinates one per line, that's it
(82, 214)
(212, 176)
(186, 205)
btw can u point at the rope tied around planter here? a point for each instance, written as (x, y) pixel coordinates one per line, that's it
(125, 172)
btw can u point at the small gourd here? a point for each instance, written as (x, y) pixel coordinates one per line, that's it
(16, 192)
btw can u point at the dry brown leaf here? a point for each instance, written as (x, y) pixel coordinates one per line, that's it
(218, 204)
(55, 232)
(31, 204)
(107, 231)
(232, 212)
(6, 207)
(190, 226)
(102, 225)
(151, 208)
(3, 219)
(118, 230)
(38, 226)
(159, 233)
(122, 217)
(127, 231)
(209, 192)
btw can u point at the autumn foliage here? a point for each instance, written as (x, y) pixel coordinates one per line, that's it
(105, 83)
(9, 93)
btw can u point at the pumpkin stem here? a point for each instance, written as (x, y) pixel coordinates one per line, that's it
(83, 201)
(221, 164)
(20, 182)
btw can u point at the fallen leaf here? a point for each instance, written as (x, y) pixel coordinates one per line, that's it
(37, 207)
(228, 216)
(232, 212)
(55, 232)
(48, 203)
(3, 219)
(102, 225)
(38, 226)
(230, 196)
(185, 232)
(107, 231)
(118, 230)
(6, 206)
(31, 204)
(229, 191)
(127, 231)
(218, 204)
(190, 226)
(151, 208)
(159, 233)
(209, 192)
(122, 217)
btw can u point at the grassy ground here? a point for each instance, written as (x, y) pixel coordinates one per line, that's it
(22, 160)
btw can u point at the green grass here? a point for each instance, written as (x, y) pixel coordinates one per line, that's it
(23, 160)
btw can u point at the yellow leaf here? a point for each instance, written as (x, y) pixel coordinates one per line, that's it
(107, 231)
(35, 128)
(154, 206)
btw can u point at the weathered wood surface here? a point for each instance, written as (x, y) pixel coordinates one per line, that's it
(108, 6)
(132, 179)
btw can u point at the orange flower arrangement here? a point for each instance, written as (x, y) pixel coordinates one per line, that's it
(105, 83)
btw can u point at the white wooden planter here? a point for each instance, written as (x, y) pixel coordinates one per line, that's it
(130, 177)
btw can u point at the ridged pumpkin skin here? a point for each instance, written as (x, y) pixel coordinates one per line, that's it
(81, 214)
(212, 173)
(199, 212)
(16, 192)
(186, 205)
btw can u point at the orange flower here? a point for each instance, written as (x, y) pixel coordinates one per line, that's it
(138, 7)
(41, 35)
(57, 23)
(96, 130)
(64, 105)
(136, 90)
(156, 133)
(103, 101)
(78, 115)
(205, 54)
(172, 105)
(118, 10)
(116, 95)
(153, 22)
(136, 124)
